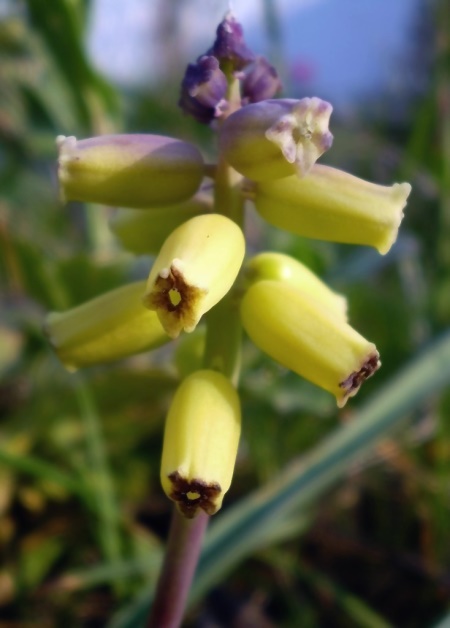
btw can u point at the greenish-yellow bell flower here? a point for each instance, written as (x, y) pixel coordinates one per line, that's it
(201, 438)
(281, 267)
(112, 326)
(143, 231)
(128, 170)
(196, 267)
(301, 334)
(329, 204)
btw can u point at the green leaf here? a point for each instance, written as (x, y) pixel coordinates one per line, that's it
(61, 30)
(44, 471)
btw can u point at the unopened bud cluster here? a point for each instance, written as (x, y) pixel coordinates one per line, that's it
(268, 149)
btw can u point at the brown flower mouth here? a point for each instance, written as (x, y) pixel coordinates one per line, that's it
(175, 301)
(353, 382)
(192, 495)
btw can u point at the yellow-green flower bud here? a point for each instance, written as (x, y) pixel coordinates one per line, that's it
(201, 440)
(197, 265)
(276, 138)
(302, 335)
(144, 231)
(329, 204)
(281, 267)
(128, 170)
(112, 326)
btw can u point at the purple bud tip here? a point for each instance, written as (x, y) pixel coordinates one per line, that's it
(260, 82)
(203, 90)
(230, 45)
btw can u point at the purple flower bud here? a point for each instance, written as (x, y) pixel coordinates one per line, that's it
(203, 90)
(230, 45)
(261, 81)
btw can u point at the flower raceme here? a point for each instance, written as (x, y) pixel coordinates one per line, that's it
(268, 153)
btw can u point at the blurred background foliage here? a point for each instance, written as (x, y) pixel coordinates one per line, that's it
(333, 519)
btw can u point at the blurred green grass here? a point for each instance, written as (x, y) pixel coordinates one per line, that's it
(83, 520)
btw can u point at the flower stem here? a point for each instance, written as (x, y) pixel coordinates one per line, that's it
(181, 558)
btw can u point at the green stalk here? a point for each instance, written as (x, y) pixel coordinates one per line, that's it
(180, 561)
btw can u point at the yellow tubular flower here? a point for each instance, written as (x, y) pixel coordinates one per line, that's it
(276, 138)
(197, 265)
(281, 267)
(112, 326)
(201, 440)
(302, 335)
(128, 170)
(329, 204)
(143, 231)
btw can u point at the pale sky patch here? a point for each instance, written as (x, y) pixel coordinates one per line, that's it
(336, 48)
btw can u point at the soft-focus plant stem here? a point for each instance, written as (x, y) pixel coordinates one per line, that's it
(101, 478)
(181, 558)
(223, 339)
(224, 329)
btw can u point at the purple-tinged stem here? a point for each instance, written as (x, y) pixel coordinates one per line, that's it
(181, 558)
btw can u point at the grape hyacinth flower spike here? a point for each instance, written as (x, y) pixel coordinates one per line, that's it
(190, 216)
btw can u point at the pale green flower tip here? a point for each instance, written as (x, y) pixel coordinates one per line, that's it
(66, 149)
(49, 324)
(399, 197)
(107, 328)
(128, 170)
(48, 328)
